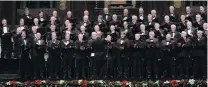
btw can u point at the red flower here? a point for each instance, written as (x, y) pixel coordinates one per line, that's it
(38, 82)
(13, 82)
(174, 83)
(84, 83)
(124, 83)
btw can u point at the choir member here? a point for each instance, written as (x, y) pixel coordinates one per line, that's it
(152, 55)
(155, 18)
(191, 31)
(67, 54)
(42, 18)
(134, 25)
(126, 16)
(25, 59)
(70, 18)
(70, 31)
(86, 23)
(143, 32)
(198, 56)
(174, 34)
(198, 23)
(22, 24)
(86, 13)
(126, 29)
(203, 13)
(141, 16)
(33, 35)
(102, 24)
(189, 15)
(166, 24)
(55, 15)
(38, 51)
(6, 43)
(183, 60)
(205, 28)
(48, 35)
(106, 15)
(54, 60)
(84, 33)
(109, 48)
(38, 26)
(182, 24)
(65, 25)
(114, 34)
(167, 47)
(159, 33)
(53, 22)
(123, 60)
(149, 23)
(116, 22)
(137, 57)
(16, 35)
(174, 17)
(27, 17)
(80, 56)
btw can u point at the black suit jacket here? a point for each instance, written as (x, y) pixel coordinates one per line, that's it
(174, 17)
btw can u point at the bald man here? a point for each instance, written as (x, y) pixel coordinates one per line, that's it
(106, 15)
(174, 17)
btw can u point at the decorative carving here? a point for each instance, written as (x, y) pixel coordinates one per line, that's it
(62, 4)
(177, 3)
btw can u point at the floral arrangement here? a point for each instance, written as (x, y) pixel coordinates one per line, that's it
(108, 83)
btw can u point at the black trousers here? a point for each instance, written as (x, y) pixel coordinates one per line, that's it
(123, 65)
(54, 62)
(25, 66)
(166, 67)
(99, 68)
(68, 65)
(199, 66)
(136, 67)
(151, 59)
(80, 67)
(183, 63)
(6, 49)
(39, 65)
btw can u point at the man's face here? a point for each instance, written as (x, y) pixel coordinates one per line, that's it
(80, 36)
(199, 34)
(27, 12)
(38, 35)
(94, 35)
(4, 22)
(188, 9)
(123, 35)
(23, 34)
(41, 14)
(205, 26)
(53, 28)
(183, 17)
(137, 36)
(105, 10)
(82, 28)
(171, 9)
(141, 11)
(149, 17)
(97, 28)
(67, 36)
(189, 25)
(153, 12)
(112, 28)
(69, 26)
(168, 36)
(114, 17)
(69, 14)
(202, 9)
(34, 29)
(173, 28)
(198, 17)
(54, 13)
(86, 13)
(125, 12)
(142, 27)
(183, 34)
(157, 26)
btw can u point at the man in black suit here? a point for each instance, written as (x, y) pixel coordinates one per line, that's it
(152, 55)
(6, 43)
(54, 60)
(174, 17)
(80, 56)
(98, 47)
(141, 16)
(166, 24)
(167, 47)
(126, 16)
(174, 34)
(38, 50)
(149, 23)
(155, 18)
(115, 22)
(191, 31)
(189, 15)
(22, 25)
(106, 15)
(198, 23)
(134, 25)
(123, 46)
(27, 17)
(86, 23)
(159, 33)
(203, 13)
(42, 18)
(198, 55)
